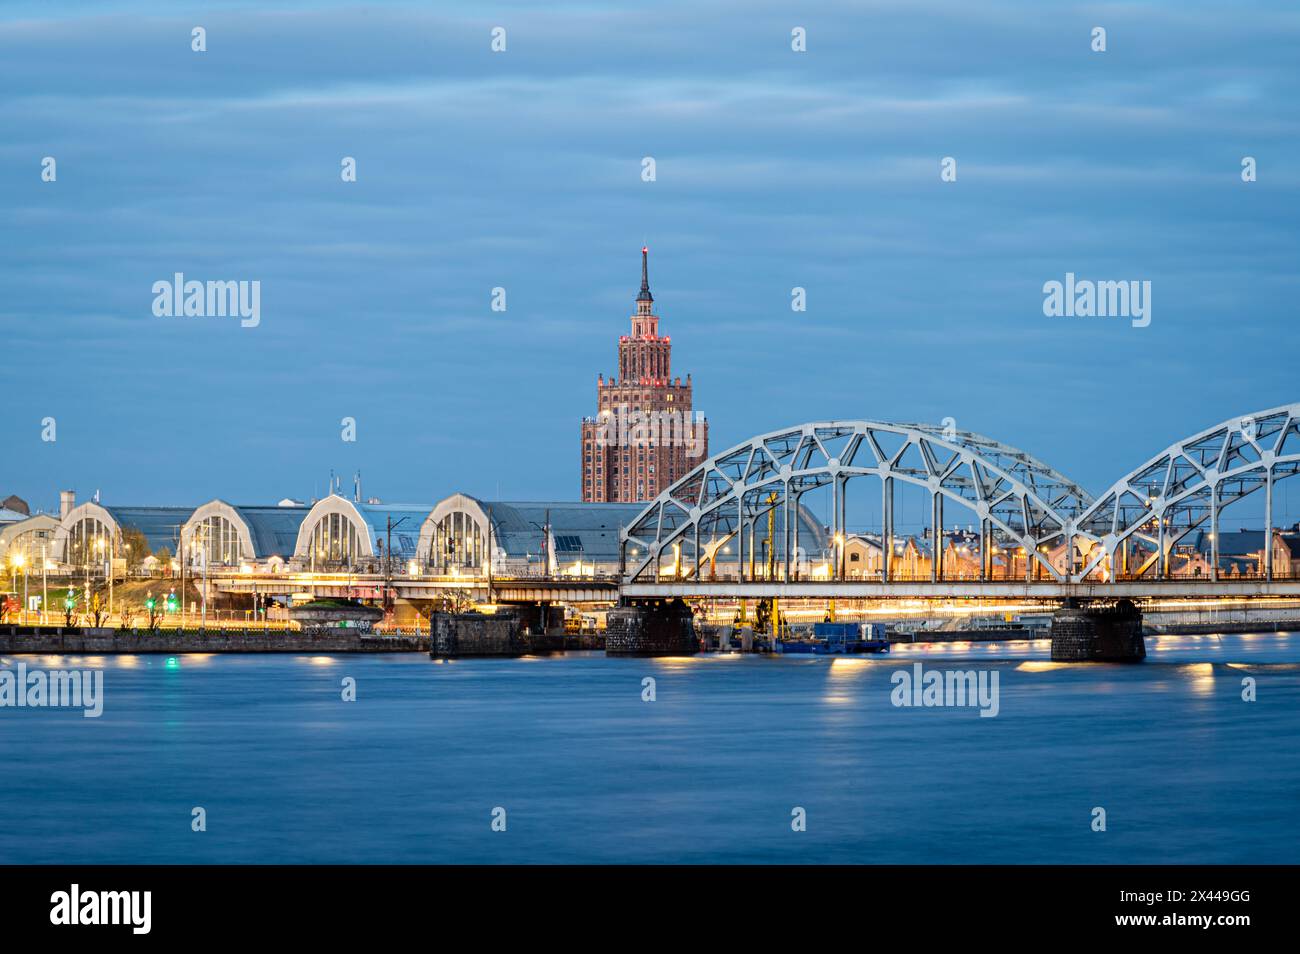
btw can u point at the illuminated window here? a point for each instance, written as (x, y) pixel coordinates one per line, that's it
(218, 538)
(335, 542)
(88, 542)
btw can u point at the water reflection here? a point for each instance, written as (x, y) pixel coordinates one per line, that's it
(599, 776)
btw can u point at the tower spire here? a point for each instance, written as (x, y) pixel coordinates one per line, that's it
(645, 276)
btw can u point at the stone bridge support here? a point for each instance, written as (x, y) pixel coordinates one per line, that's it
(1082, 633)
(651, 628)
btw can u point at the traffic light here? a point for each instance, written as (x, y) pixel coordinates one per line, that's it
(70, 600)
(150, 602)
(171, 602)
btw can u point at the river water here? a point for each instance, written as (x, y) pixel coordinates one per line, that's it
(712, 770)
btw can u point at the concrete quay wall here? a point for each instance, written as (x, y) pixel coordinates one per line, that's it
(19, 640)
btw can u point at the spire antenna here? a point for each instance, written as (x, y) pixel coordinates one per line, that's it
(645, 275)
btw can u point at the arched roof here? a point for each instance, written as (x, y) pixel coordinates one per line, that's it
(372, 523)
(41, 521)
(160, 525)
(264, 531)
(589, 531)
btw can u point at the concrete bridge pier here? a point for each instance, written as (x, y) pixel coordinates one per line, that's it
(1082, 633)
(651, 628)
(540, 619)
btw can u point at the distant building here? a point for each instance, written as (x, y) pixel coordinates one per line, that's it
(1241, 553)
(912, 557)
(13, 504)
(32, 537)
(645, 435)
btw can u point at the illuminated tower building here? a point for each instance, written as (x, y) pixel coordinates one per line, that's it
(644, 436)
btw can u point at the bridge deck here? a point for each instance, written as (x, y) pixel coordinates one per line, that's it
(1131, 589)
(609, 590)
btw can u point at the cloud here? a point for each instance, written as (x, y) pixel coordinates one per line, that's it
(522, 170)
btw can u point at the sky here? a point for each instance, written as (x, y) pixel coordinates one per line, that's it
(522, 169)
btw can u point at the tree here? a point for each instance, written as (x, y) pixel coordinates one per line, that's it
(134, 547)
(451, 601)
(456, 601)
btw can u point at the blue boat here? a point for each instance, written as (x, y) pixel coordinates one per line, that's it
(837, 639)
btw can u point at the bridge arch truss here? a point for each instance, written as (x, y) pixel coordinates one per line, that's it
(1133, 528)
(1020, 503)
(1045, 525)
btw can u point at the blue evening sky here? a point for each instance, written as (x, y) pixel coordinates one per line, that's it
(522, 170)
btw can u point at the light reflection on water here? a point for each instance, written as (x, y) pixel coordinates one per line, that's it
(287, 771)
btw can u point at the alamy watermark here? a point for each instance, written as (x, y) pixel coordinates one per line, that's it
(633, 428)
(1083, 298)
(922, 688)
(23, 688)
(76, 906)
(179, 298)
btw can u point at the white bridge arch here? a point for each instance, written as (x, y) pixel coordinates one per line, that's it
(1133, 527)
(1063, 534)
(1017, 499)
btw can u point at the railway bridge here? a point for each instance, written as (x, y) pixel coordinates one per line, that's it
(732, 527)
(812, 513)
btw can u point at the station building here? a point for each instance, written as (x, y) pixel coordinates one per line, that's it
(523, 538)
(459, 535)
(339, 533)
(91, 533)
(220, 534)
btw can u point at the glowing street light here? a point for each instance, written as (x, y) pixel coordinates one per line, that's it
(18, 561)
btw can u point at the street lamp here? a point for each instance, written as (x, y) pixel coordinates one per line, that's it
(112, 555)
(199, 550)
(45, 586)
(17, 561)
(545, 529)
(99, 549)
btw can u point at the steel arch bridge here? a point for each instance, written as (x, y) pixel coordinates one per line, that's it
(1046, 528)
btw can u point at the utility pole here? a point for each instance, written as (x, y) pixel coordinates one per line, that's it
(489, 554)
(388, 562)
(388, 555)
(203, 557)
(180, 553)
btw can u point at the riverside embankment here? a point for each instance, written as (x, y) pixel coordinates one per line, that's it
(20, 640)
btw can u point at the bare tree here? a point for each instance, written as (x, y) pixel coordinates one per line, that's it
(97, 610)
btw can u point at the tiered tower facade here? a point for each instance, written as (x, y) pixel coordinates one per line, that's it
(645, 435)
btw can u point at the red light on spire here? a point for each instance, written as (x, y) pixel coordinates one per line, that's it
(644, 249)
